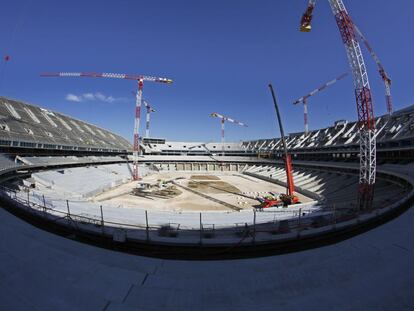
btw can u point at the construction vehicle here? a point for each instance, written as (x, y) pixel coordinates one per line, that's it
(277, 200)
(290, 197)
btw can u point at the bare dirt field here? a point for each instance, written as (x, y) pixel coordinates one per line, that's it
(213, 187)
(221, 191)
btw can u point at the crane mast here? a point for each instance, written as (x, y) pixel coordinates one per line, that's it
(384, 76)
(148, 116)
(366, 121)
(135, 151)
(306, 26)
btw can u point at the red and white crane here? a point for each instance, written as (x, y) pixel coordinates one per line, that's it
(305, 26)
(223, 119)
(384, 76)
(304, 99)
(148, 114)
(138, 103)
(366, 118)
(290, 197)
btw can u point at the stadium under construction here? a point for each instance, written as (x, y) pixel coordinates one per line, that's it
(321, 218)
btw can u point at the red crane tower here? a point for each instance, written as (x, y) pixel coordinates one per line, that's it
(223, 119)
(384, 76)
(140, 79)
(304, 99)
(306, 26)
(366, 119)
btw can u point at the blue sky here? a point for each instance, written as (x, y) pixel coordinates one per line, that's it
(221, 55)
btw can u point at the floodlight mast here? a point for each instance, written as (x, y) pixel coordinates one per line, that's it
(138, 102)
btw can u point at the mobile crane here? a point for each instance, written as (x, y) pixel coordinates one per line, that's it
(290, 197)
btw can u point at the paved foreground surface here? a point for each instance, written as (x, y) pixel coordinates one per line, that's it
(40, 271)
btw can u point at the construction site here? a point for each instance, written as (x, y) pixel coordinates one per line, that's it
(187, 192)
(311, 179)
(94, 220)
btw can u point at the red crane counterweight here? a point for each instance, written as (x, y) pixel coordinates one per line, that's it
(306, 21)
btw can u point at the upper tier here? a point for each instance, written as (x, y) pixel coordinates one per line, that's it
(28, 126)
(395, 131)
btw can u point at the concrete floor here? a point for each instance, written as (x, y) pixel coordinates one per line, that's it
(41, 271)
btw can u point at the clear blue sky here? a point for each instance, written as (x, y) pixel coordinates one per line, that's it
(221, 55)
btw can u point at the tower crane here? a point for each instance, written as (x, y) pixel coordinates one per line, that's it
(366, 119)
(138, 103)
(148, 114)
(304, 99)
(149, 109)
(384, 76)
(306, 26)
(223, 119)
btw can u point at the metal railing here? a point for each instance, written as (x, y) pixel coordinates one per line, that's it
(285, 224)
